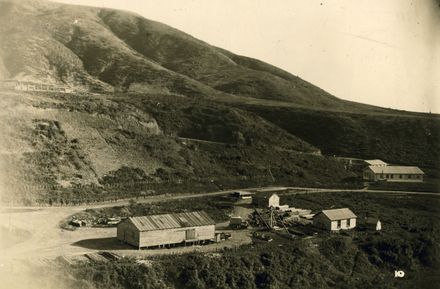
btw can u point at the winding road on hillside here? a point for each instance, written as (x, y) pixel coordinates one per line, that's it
(35, 232)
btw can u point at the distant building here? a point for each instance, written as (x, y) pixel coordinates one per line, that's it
(166, 229)
(393, 174)
(335, 220)
(376, 163)
(270, 201)
(373, 224)
(13, 84)
(273, 201)
(243, 195)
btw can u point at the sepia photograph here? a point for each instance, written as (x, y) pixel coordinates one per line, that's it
(221, 144)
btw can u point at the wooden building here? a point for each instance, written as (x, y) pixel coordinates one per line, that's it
(270, 201)
(273, 201)
(13, 84)
(393, 174)
(335, 220)
(376, 163)
(373, 224)
(242, 197)
(166, 229)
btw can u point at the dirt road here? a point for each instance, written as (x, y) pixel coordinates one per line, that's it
(45, 239)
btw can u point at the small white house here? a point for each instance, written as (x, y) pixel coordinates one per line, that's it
(335, 220)
(270, 201)
(273, 201)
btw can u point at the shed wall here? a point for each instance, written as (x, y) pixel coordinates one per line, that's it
(343, 225)
(323, 222)
(274, 201)
(175, 236)
(128, 233)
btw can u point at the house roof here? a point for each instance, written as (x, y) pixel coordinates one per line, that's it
(371, 220)
(338, 214)
(376, 162)
(396, 170)
(171, 221)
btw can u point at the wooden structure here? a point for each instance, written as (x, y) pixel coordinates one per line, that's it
(393, 174)
(270, 201)
(373, 224)
(335, 220)
(166, 229)
(273, 201)
(376, 163)
(242, 197)
(13, 84)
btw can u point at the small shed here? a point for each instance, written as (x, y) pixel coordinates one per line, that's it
(373, 224)
(335, 219)
(166, 229)
(243, 195)
(274, 201)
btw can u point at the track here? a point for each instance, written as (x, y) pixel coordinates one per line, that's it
(47, 240)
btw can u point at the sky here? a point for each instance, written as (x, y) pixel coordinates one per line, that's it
(380, 52)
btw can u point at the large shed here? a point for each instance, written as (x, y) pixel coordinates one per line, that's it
(335, 220)
(166, 229)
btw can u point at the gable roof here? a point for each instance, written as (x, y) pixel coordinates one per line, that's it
(396, 170)
(338, 214)
(372, 220)
(171, 221)
(376, 162)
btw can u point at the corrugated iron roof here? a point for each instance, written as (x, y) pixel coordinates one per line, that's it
(338, 214)
(171, 221)
(376, 162)
(396, 170)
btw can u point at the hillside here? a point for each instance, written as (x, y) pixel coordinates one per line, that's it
(64, 148)
(155, 110)
(105, 50)
(407, 139)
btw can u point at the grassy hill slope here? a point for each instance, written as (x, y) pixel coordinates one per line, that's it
(78, 148)
(103, 49)
(174, 113)
(401, 139)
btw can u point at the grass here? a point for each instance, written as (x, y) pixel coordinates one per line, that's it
(393, 138)
(409, 241)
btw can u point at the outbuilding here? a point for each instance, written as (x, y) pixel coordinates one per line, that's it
(393, 174)
(376, 163)
(335, 219)
(273, 201)
(166, 229)
(242, 197)
(373, 224)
